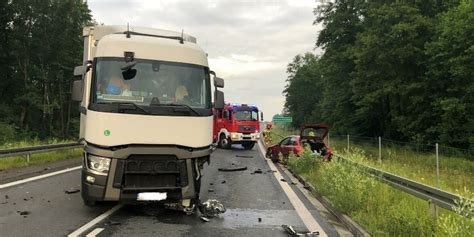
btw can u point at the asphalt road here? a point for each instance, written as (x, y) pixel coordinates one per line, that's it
(257, 205)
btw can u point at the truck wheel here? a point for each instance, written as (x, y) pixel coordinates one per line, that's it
(248, 145)
(224, 143)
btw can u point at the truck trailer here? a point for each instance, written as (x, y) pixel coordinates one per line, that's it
(146, 115)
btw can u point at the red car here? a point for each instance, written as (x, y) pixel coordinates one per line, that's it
(311, 134)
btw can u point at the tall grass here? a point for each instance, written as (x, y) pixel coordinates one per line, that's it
(39, 158)
(380, 209)
(455, 173)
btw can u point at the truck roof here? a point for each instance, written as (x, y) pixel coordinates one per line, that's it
(146, 43)
(100, 31)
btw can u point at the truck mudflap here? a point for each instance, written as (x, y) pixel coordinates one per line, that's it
(144, 169)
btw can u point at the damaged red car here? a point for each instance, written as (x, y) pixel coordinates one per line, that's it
(312, 135)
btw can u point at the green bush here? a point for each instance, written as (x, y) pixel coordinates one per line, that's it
(7, 132)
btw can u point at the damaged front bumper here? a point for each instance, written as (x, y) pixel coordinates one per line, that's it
(135, 169)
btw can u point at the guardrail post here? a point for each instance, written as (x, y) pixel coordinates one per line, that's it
(28, 157)
(437, 165)
(433, 209)
(328, 140)
(380, 150)
(348, 143)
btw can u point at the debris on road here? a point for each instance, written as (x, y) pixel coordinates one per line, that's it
(6, 196)
(259, 219)
(114, 223)
(5, 202)
(204, 219)
(211, 190)
(72, 190)
(233, 169)
(24, 213)
(271, 171)
(211, 183)
(211, 208)
(223, 182)
(293, 183)
(241, 156)
(258, 171)
(290, 230)
(283, 180)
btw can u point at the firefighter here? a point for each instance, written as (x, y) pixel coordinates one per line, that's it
(267, 134)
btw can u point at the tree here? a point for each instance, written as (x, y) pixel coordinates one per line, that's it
(451, 75)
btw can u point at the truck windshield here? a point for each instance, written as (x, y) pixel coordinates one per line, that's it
(156, 83)
(245, 115)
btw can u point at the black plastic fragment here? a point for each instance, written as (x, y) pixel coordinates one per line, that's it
(233, 169)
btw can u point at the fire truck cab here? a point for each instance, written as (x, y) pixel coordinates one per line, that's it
(237, 124)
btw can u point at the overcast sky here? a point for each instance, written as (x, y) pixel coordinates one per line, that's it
(249, 42)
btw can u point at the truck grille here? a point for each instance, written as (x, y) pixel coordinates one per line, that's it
(247, 128)
(154, 172)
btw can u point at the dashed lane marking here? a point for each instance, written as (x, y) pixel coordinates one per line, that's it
(39, 177)
(95, 232)
(94, 222)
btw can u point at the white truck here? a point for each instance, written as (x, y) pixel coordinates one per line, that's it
(146, 115)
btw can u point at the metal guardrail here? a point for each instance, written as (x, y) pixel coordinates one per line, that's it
(37, 149)
(439, 197)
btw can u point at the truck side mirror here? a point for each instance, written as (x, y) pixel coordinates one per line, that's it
(218, 82)
(81, 70)
(219, 100)
(261, 116)
(76, 94)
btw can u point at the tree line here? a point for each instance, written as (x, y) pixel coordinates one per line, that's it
(398, 69)
(40, 43)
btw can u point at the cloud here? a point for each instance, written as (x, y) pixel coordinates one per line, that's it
(249, 42)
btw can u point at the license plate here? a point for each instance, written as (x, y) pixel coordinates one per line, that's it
(151, 196)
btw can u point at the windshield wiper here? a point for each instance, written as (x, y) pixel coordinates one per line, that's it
(128, 103)
(180, 105)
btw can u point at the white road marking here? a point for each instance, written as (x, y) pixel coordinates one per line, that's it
(39, 177)
(95, 232)
(300, 208)
(94, 222)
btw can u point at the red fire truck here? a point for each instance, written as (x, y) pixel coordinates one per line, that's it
(237, 124)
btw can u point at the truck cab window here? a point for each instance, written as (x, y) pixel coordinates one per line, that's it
(167, 84)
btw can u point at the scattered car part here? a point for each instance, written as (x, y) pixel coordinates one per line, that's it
(290, 230)
(233, 169)
(72, 190)
(211, 208)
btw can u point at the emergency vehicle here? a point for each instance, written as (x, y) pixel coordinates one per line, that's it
(237, 124)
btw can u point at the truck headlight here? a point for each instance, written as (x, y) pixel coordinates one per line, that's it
(99, 164)
(257, 136)
(234, 136)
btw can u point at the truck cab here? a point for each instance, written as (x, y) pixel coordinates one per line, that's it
(146, 115)
(237, 124)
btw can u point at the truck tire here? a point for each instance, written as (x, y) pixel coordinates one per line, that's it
(224, 143)
(248, 145)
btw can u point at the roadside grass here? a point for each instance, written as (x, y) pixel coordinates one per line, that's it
(39, 158)
(455, 173)
(380, 209)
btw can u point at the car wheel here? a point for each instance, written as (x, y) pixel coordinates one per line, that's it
(224, 143)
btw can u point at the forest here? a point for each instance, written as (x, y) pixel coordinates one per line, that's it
(402, 70)
(40, 43)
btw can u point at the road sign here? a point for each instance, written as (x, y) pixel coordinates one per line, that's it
(282, 119)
